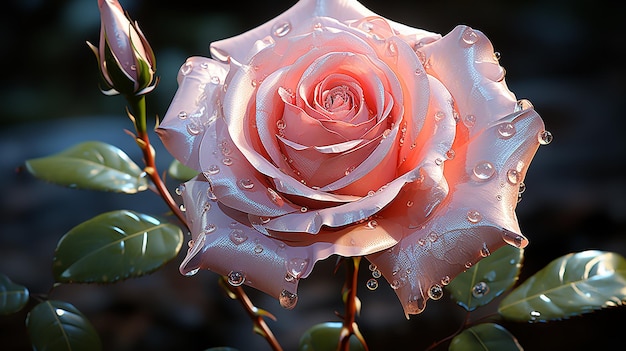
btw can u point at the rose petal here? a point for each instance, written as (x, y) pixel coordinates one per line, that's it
(476, 218)
(192, 108)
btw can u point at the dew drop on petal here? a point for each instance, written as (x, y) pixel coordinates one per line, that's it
(236, 278)
(468, 265)
(215, 80)
(371, 224)
(506, 130)
(227, 161)
(281, 29)
(376, 273)
(438, 161)
(445, 280)
(237, 236)
(297, 266)
(372, 284)
(484, 170)
(304, 209)
(544, 137)
(484, 251)
(187, 68)
(514, 239)
(213, 169)
(497, 55)
(480, 289)
(474, 216)
(469, 36)
(522, 188)
(182, 114)
(450, 154)
(246, 184)
(469, 121)
(435, 292)
(258, 248)
(513, 176)
(287, 299)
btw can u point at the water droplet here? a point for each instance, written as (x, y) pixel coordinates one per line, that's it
(237, 236)
(409, 203)
(445, 280)
(474, 216)
(484, 251)
(371, 193)
(376, 273)
(304, 209)
(246, 184)
(213, 169)
(287, 299)
(469, 36)
(522, 188)
(372, 267)
(438, 161)
(227, 161)
(215, 80)
(180, 189)
(192, 272)
(281, 29)
(450, 154)
(421, 241)
(372, 284)
(182, 114)
(211, 195)
(484, 170)
(513, 176)
(469, 121)
(236, 278)
(371, 224)
(204, 65)
(535, 314)
(415, 304)
(289, 278)
(514, 239)
(194, 128)
(435, 292)
(258, 248)
(480, 289)
(544, 137)
(497, 55)
(209, 228)
(468, 265)
(506, 130)
(280, 124)
(432, 236)
(297, 266)
(187, 68)
(392, 49)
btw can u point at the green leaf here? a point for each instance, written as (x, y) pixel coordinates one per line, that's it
(487, 279)
(571, 285)
(115, 245)
(181, 172)
(59, 326)
(325, 337)
(13, 297)
(485, 337)
(91, 165)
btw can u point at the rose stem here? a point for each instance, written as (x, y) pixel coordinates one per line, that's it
(349, 325)
(138, 107)
(138, 115)
(260, 327)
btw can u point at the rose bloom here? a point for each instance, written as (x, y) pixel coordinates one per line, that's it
(330, 130)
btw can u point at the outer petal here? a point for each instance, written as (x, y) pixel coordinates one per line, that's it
(477, 218)
(193, 108)
(299, 19)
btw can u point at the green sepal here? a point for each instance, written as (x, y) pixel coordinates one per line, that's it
(13, 297)
(487, 279)
(91, 165)
(114, 246)
(571, 285)
(59, 326)
(485, 337)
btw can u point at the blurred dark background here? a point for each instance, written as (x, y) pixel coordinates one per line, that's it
(566, 57)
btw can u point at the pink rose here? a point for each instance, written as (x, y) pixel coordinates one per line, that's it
(333, 131)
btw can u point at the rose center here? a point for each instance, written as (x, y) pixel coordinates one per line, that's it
(339, 98)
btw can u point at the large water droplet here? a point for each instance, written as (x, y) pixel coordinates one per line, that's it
(246, 184)
(281, 29)
(372, 284)
(474, 216)
(371, 224)
(506, 130)
(435, 292)
(469, 121)
(297, 266)
(514, 239)
(513, 176)
(213, 169)
(544, 137)
(480, 289)
(484, 170)
(469, 36)
(287, 299)
(237, 236)
(236, 278)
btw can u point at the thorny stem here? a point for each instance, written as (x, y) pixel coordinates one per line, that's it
(349, 325)
(260, 327)
(138, 114)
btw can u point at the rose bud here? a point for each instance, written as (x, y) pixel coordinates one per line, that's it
(125, 57)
